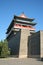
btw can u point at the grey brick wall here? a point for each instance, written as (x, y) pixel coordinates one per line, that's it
(18, 43)
(41, 44)
(14, 44)
(23, 43)
(34, 45)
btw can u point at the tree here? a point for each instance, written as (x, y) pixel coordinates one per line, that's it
(0, 47)
(5, 50)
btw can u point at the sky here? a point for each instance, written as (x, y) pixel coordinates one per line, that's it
(9, 8)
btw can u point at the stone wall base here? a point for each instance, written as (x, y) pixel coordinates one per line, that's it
(23, 56)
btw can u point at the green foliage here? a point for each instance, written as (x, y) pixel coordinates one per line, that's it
(4, 51)
(0, 47)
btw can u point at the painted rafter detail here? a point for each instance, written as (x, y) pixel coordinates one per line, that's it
(23, 27)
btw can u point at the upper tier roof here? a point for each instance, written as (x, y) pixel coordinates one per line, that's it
(21, 17)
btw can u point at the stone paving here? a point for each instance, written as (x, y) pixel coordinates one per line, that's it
(16, 61)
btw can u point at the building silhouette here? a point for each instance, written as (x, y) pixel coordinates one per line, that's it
(23, 41)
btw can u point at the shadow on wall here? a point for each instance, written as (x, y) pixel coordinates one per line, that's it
(14, 44)
(34, 46)
(28, 47)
